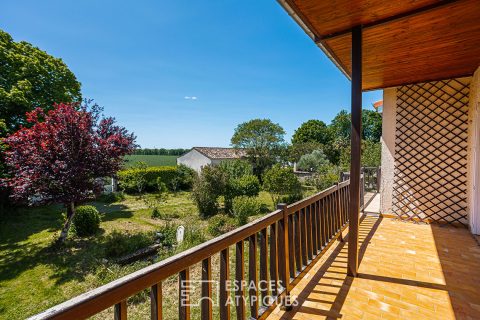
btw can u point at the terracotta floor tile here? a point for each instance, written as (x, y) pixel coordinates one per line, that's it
(407, 271)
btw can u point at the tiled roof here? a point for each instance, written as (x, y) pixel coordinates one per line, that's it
(221, 153)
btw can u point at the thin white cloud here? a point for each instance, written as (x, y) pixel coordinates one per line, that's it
(190, 98)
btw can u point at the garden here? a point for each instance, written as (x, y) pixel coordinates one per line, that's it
(36, 274)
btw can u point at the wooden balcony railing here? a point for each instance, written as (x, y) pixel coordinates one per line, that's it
(371, 181)
(280, 246)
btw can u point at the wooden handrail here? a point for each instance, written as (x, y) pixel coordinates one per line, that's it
(318, 220)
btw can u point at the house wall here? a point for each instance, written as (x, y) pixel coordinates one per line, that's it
(194, 159)
(473, 172)
(424, 151)
(388, 148)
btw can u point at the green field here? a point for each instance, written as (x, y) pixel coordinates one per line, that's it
(151, 160)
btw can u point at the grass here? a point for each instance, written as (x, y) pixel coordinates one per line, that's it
(151, 160)
(35, 276)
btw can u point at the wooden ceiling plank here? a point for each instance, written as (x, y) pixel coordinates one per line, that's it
(400, 16)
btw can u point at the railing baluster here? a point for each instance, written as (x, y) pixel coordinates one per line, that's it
(224, 292)
(283, 247)
(252, 272)
(298, 246)
(120, 310)
(332, 212)
(184, 295)
(273, 258)
(291, 248)
(308, 229)
(156, 301)
(339, 211)
(263, 284)
(313, 215)
(327, 218)
(281, 253)
(303, 237)
(335, 213)
(206, 289)
(239, 278)
(330, 218)
(321, 225)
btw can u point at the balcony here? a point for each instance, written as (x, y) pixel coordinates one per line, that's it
(406, 271)
(410, 269)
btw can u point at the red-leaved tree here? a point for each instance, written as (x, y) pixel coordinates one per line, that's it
(59, 157)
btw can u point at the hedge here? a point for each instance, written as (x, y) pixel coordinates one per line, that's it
(166, 173)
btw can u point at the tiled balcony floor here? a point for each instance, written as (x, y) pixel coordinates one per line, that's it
(407, 271)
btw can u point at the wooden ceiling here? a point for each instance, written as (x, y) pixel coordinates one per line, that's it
(405, 41)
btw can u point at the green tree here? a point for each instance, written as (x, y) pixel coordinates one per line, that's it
(280, 182)
(313, 162)
(371, 155)
(371, 125)
(297, 150)
(236, 168)
(31, 78)
(262, 139)
(210, 184)
(312, 131)
(340, 127)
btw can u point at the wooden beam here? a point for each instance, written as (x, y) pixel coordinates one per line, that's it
(393, 18)
(355, 151)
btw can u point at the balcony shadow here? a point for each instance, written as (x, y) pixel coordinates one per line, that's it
(325, 293)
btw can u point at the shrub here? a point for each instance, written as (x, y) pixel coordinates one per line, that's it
(183, 179)
(139, 176)
(220, 224)
(281, 182)
(86, 221)
(291, 198)
(156, 213)
(244, 207)
(161, 186)
(248, 186)
(327, 176)
(118, 244)
(167, 235)
(129, 179)
(207, 187)
(111, 197)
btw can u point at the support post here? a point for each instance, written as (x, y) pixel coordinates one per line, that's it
(355, 165)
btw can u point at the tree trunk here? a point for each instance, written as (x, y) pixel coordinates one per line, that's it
(66, 227)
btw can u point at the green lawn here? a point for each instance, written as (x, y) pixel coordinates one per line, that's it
(151, 161)
(34, 276)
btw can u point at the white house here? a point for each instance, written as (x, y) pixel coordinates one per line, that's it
(199, 157)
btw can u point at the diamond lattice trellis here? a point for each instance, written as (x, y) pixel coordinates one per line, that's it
(431, 151)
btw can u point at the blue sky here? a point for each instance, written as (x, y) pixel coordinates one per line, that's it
(141, 59)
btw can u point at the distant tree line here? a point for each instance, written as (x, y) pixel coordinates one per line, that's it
(160, 152)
